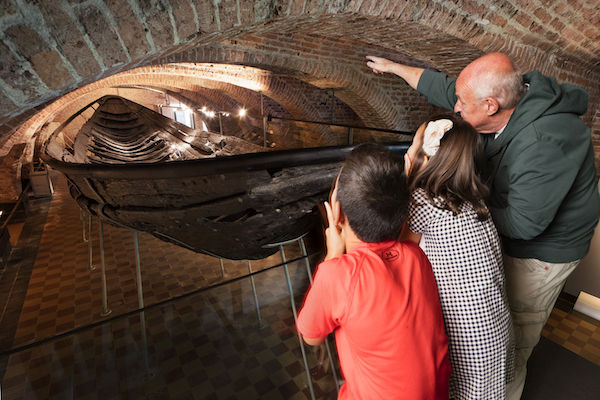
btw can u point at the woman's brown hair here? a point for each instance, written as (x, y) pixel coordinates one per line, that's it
(452, 174)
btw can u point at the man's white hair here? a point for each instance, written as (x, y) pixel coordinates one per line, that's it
(507, 87)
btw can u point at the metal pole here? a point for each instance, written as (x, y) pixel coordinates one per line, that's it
(90, 262)
(83, 226)
(305, 255)
(220, 123)
(138, 270)
(144, 340)
(264, 131)
(293, 302)
(309, 273)
(332, 105)
(260, 324)
(141, 299)
(105, 310)
(350, 135)
(222, 268)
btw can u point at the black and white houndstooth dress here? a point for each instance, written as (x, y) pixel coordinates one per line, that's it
(467, 263)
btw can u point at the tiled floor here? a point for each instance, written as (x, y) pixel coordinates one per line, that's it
(64, 294)
(204, 344)
(576, 332)
(198, 337)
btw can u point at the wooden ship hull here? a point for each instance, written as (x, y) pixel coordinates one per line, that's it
(230, 205)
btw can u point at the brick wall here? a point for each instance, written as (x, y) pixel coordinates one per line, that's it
(55, 56)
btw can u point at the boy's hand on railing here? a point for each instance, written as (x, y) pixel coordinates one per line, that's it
(334, 235)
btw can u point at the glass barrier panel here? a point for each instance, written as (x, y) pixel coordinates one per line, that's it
(234, 340)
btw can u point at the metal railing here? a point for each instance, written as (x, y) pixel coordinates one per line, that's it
(15, 207)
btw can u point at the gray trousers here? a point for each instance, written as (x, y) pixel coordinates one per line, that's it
(532, 287)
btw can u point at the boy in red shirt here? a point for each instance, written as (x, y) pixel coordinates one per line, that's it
(378, 295)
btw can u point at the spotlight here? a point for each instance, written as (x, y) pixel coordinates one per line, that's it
(242, 112)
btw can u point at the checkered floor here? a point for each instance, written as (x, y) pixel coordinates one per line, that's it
(64, 294)
(199, 336)
(576, 332)
(207, 345)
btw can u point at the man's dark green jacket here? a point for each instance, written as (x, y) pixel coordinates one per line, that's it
(541, 172)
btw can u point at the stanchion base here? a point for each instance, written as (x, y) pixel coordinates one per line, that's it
(105, 313)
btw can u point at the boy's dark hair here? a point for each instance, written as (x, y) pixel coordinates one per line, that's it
(452, 174)
(373, 193)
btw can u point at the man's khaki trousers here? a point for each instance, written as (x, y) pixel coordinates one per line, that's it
(532, 287)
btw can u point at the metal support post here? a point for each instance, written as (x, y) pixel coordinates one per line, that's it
(293, 303)
(264, 131)
(90, 261)
(83, 226)
(138, 270)
(260, 324)
(105, 310)
(222, 268)
(350, 135)
(309, 273)
(144, 340)
(141, 299)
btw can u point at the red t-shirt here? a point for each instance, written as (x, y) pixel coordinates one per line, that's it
(382, 302)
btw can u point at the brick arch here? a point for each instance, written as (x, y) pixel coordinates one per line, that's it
(77, 42)
(131, 34)
(361, 90)
(176, 76)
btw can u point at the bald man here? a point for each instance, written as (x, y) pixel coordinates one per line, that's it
(540, 168)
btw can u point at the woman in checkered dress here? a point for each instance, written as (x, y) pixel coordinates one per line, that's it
(447, 214)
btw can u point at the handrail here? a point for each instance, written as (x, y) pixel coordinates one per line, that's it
(270, 117)
(83, 328)
(14, 209)
(214, 165)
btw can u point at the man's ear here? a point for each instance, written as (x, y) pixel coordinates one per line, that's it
(492, 106)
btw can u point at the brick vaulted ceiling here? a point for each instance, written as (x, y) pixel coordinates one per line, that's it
(59, 55)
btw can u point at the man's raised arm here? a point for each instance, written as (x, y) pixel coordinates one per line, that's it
(410, 74)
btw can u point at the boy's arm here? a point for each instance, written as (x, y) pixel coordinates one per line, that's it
(316, 319)
(314, 341)
(317, 313)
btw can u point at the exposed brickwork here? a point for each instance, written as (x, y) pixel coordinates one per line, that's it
(7, 7)
(228, 14)
(69, 40)
(10, 167)
(206, 16)
(46, 62)
(130, 28)
(306, 44)
(101, 34)
(158, 22)
(17, 75)
(183, 15)
(6, 104)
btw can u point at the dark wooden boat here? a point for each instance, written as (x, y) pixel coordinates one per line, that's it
(207, 198)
